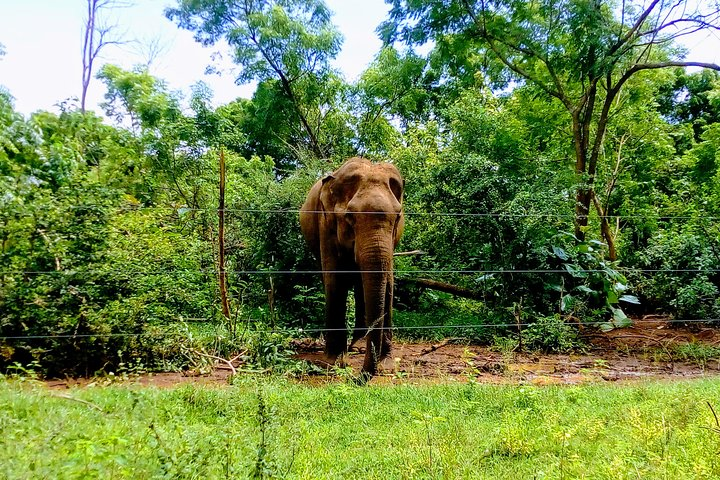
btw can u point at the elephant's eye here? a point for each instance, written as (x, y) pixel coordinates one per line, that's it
(350, 217)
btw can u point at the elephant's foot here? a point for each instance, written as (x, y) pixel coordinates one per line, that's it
(339, 360)
(387, 365)
(358, 335)
(362, 379)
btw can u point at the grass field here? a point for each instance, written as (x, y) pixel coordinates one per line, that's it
(273, 428)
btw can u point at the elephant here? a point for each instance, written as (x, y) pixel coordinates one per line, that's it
(352, 220)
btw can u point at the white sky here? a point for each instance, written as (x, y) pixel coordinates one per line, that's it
(42, 39)
(43, 64)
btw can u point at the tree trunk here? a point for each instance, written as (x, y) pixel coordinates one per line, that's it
(222, 274)
(605, 229)
(582, 198)
(87, 51)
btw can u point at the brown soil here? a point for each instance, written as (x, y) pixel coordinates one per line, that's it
(646, 350)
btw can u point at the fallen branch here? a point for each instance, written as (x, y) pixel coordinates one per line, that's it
(443, 287)
(84, 402)
(229, 363)
(437, 346)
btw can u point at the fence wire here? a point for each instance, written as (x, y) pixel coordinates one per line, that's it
(400, 272)
(183, 210)
(319, 330)
(495, 215)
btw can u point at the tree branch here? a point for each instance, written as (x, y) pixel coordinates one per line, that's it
(491, 39)
(641, 19)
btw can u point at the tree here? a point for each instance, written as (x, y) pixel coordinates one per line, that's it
(692, 98)
(96, 36)
(393, 87)
(578, 52)
(291, 41)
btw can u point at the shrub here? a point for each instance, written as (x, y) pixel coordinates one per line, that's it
(551, 334)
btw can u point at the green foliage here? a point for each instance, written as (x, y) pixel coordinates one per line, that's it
(692, 98)
(593, 288)
(697, 353)
(463, 318)
(551, 335)
(287, 46)
(268, 37)
(684, 262)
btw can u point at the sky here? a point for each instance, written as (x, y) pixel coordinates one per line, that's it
(43, 64)
(42, 40)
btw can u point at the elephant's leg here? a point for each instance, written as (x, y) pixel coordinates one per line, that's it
(336, 292)
(360, 329)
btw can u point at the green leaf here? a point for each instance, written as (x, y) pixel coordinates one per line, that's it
(584, 289)
(575, 271)
(630, 299)
(612, 297)
(560, 253)
(606, 327)
(620, 320)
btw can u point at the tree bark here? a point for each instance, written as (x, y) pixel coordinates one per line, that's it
(443, 287)
(605, 229)
(222, 274)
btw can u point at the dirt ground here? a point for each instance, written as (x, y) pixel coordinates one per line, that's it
(647, 350)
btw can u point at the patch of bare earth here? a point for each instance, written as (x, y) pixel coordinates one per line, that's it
(646, 350)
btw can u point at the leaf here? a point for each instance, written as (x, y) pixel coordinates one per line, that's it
(620, 320)
(575, 271)
(630, 299)
(560, 253)
(566, 303)
(612, 297)
(584, 289)
(183, 211)
(606, 327)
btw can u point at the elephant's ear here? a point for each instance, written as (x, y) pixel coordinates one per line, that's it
(327, 202)
(397, 186)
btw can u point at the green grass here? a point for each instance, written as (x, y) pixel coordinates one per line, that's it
(272, 428)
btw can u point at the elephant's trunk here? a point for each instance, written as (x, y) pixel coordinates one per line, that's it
(375, 259)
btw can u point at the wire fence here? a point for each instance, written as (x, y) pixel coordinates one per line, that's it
(294, 211)
(401, 272)
(318, 330)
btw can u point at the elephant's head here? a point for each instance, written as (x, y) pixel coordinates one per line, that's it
(363, 201)
(362, 207)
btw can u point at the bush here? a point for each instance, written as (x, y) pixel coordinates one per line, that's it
(551, 334)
